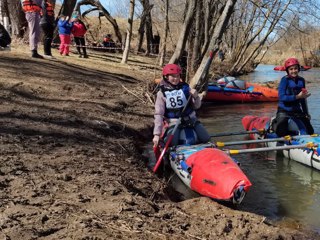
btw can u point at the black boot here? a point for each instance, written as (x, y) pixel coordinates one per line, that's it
(35, 54)
(47, 46)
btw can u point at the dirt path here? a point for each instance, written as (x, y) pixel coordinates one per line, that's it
(71, 166)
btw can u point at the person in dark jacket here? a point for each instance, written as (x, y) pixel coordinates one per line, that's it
(5, 38)
(47, 24)
(292, 100)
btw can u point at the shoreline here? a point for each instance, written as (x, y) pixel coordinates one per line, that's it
(72, 165)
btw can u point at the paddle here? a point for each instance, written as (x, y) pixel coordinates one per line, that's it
(264, 149)
(305, 100)
(259, 131)
(285, 138)
(206, 67)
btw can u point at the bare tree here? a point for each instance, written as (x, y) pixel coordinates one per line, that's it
(214, 42)
(16, 18)
(185, 29)
(165, 34)
(145, 23)
(272, 16)
(67, 7)
(129, 33)
(98, 6)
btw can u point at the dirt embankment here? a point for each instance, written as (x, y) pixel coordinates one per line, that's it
(71, 164)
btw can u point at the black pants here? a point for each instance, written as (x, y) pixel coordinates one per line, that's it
(281, 123)
(80, 41)
(47, 38)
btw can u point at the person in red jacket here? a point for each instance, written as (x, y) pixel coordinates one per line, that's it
(78, 31)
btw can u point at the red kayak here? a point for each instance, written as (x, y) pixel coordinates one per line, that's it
(210, 172)
(282, 68)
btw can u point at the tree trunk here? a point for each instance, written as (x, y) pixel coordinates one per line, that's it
(196, 39)
(149, 32)
(129, 33)
(165, 34)
(67, 7)
(96, 3)
(185, 29)
(220, 28)
(280, 10)
(16, 18)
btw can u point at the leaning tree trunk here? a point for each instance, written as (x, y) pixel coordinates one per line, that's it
(220, 28)
(184, 33)
(17, 18)
(98, 5)
(129, 33)
(67, 7)
(197, 36)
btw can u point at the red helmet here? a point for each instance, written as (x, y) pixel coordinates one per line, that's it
(171, 69)
(290, 62)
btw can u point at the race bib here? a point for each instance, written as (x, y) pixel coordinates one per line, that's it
(175, 99)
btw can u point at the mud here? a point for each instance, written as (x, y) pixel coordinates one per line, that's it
(71, 164)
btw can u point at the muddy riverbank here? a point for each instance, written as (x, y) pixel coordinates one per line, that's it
(71, 164)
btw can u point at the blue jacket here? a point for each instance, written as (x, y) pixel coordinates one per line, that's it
(287, 91)
(65, 27)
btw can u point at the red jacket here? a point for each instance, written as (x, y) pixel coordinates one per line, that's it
(79, 29)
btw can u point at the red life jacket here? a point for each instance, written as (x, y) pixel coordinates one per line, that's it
(107, 39)
(30, 6)
(50, 10)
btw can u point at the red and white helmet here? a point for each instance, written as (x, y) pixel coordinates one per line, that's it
(171, 69)
(291, 62)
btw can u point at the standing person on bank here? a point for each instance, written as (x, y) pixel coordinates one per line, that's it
(78, 32)
(47, 24)
(171, 99)
(5, 38)
(65, 27)
(32, 9)
(292, 100)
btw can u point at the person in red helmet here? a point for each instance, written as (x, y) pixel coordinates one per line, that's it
(292, 101)
(171, 99)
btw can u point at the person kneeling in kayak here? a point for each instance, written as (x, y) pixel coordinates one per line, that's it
(171, 99)
(292, 101)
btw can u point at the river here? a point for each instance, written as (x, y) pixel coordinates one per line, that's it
(282, 190)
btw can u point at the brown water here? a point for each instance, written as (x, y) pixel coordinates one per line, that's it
(282, 189)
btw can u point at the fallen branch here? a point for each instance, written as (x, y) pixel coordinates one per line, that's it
(132, 93)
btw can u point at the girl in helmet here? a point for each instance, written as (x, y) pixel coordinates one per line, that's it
(292, 100)
(170, 101)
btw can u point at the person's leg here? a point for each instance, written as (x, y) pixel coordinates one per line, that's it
(78, 44)
(282, 126)
(62, 43)
(84, 49)
(33, 20)
(176, 136)
(308, 125)
(47, 38)
(203, 135)
(3, 43)
(67, 46)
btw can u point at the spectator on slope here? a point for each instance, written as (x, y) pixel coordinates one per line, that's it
(78, 31)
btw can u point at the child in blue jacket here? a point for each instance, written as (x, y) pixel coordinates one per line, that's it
(292, 100)
(65, 27)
